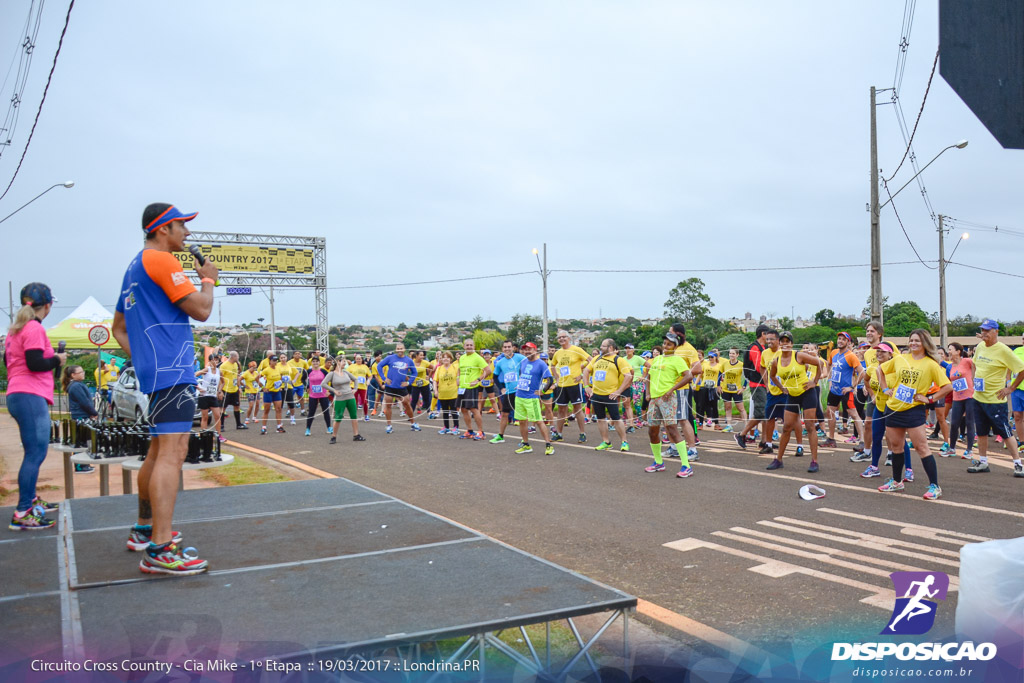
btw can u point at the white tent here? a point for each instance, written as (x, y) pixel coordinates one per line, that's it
(74, 329)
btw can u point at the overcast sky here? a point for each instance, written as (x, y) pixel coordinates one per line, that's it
(447, 139)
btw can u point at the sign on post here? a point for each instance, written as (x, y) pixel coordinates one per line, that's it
(99, 335)
(233, 291)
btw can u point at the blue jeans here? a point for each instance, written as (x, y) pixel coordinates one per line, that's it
(32, 413)
(371, 392)
(878, 438)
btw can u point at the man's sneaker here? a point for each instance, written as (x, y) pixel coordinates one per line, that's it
(478, 436)
(32, 520)
(671, 452)
(774, 465)
(949, 453)
(978, 466)
(860, 456)
(415, 427)
(1018, 470)
(630, 429)
(358, 437)
(888, 459)
(891, 486)
(83, 469)
(549, 449)
(829, 443)
(624, 447)
(169, 559)
(603, 446)
(293, 420)
(139, 537)
(303, 412)
(47, 507)
(524, 448)
(692, 454)
(241, 427)
(464, 435)
(775, 435)
(821, 433)
(555, 436)
(655, 467)
(765, 449)
(799, 451)
(263, 430)
(334, 439)
(908, 475)
(813, 467)
(389, 429)
(871, 471)
(280, 429)
(583, 438)
(945, 448)
(740, 441)
(308, 432)
(727, 429)
(934, 492)
(498, 438)
(685, 472)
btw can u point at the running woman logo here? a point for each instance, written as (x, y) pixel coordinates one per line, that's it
(915, 611)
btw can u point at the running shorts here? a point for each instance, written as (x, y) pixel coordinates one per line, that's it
(566, 395)
(991, 417)
(172, 410)
(528, 409)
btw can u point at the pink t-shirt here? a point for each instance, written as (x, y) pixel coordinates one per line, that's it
(316, 381)
(21, 380)
(963, 372)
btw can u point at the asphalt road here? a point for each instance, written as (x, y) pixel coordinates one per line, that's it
(732, 547)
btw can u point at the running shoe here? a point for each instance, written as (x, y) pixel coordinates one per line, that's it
(655, 467)
(389, 429)
(139, 537)
(1018, 470)
(967, 455)
(775, 435)
(603, 446)
(47, 507)
(630, 429)
(358, 437)
(460, 434)
(263, 430)
(33, 520)
(948, 453)
(293, 420)
(799, 451)
(330, 430)
(169, 559)
(555, 436)
(945, 448)
(442, 432)
(303, 412)
(431, 416)
(852, 439)
(727, 429)
(366, 418)
(908, 475)
(860, 456)
(740, 441)
(774, 465)
(671, 452)
(498, 438)
(549, 449)
(821, 433)
(280, 429)
(415, 427)
(241, 427)
(766, 449)
(888, 459)
(334, 439)
(624, 447)
(829, 443)
(692, 454)
(307, 432)
(583, 438)
(373, 413)
(531, 429)
(524, 448)
(870, 472)
(84, 469)
(978, 466)
(221, 438)
(685, 472)
(479, 436)
(934, 492)
(813, 467)
(891, 486)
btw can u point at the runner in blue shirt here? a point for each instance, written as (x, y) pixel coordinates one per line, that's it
(401, 372)
(506, 377)
(534, 379)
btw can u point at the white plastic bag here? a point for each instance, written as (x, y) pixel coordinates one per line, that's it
(990, 607)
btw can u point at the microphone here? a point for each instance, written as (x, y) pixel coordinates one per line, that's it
(61, 346)
(194, 250)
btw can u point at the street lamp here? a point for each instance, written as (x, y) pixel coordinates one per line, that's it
(544, 272)
(68, 184)
(943, 262)
(876, 239)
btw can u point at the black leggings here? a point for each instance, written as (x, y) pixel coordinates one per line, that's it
(325, 404)
(448, 407)
(961, 419)
(418, 394)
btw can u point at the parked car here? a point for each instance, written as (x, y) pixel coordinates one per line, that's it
(128, 403)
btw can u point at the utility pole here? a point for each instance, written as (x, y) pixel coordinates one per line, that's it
(10, 299)
(544, 269)
(273, 328)
(942, 282)
(220, 316)
(876, 239)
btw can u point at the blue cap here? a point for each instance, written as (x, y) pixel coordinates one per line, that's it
(158, 215)
(543, 356)
(989, 324)
(487, 351)
(36, 294)
(646, 354)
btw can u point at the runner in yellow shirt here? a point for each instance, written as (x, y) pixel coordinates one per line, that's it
(567, 367)
(707, 392)
(611, 377)
(684, 397)
(274, 380)
(993, 362)
(446, 388)
(229, 377)
(362, 373)
(775, 406)
(731, 386)
(249, 381)
(789, 371)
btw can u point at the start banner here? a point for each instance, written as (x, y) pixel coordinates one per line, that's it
(236, 258)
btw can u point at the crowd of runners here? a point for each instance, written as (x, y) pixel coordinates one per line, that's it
(882, 399)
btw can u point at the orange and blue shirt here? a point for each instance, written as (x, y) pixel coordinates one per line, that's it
(160, 334)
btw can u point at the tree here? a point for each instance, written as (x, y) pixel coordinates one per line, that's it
(401, 327)
(825, 317)
(525, 328)
(903, 318)
(413, 338)
(785, 323)
(733, 340)
(478, 323)
(688, 302)
(485, 339)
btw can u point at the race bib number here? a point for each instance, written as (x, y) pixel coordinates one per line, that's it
(564, 371)
(709, 383)
(731, 388)
(316, 389)
(524, 384)
(979, 384)
(960, 384)
(905, 393)
(836, 376)
(360, 380)
(485, 383)
(510, 377)
(462, 390)
(598, 376)
(277, 385)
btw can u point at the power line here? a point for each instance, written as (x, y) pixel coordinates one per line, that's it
(60, 43)
(26, 48)
(900, 221)
(909, 7)
(734, 270)
(435, 282)
(910, 142)
(987, 270)
(988, 228)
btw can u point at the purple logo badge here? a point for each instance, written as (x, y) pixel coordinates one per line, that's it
(916, 593)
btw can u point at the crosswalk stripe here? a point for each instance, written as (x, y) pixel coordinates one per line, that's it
(920, 530)
(879, 543)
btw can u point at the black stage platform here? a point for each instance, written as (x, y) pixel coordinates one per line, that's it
(301, 571)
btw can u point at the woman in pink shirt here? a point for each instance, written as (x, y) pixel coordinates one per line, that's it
(962, 375)
(318, 397)
(30, 361)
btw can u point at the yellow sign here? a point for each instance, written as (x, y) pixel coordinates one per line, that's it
(232, 258)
